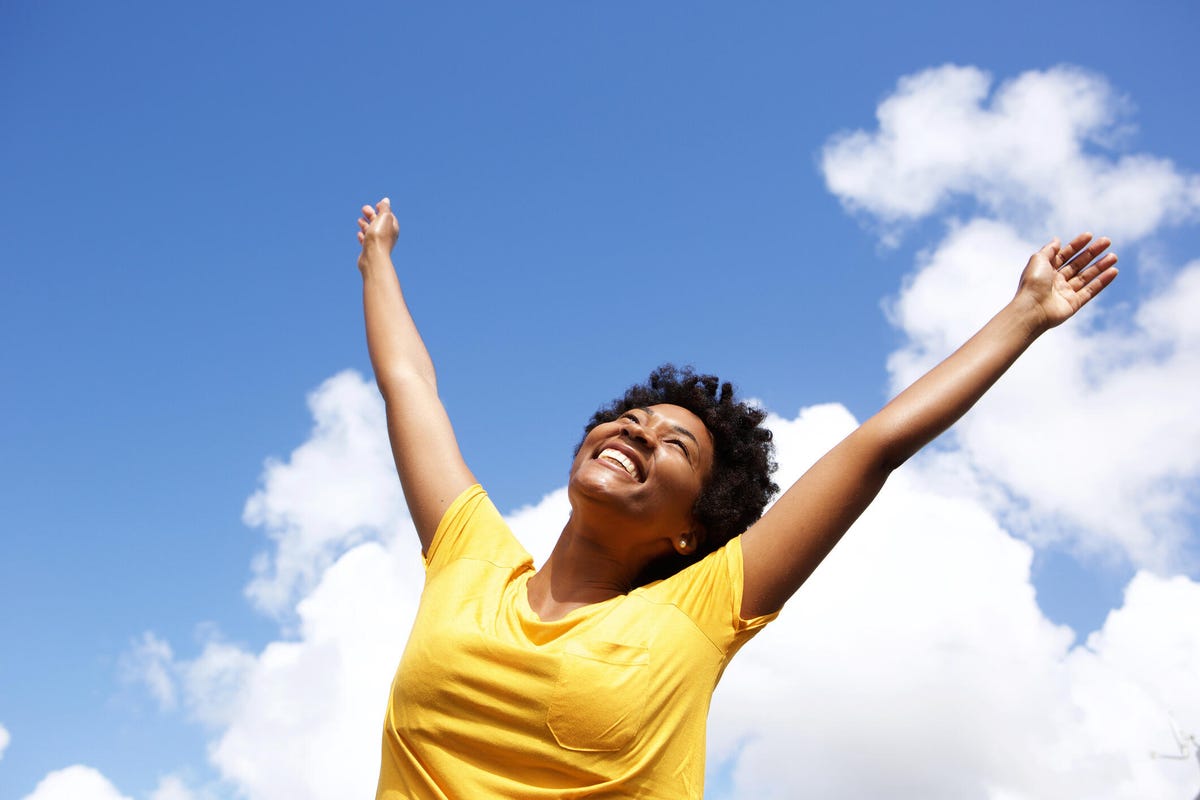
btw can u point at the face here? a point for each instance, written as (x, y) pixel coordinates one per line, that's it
(648, 467)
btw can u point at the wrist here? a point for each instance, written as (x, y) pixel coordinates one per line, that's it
(373, 260)
(1027, 313)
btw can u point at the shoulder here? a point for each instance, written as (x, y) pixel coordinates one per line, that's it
(709, 592)
(473, 527)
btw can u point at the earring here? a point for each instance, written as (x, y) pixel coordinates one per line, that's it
(683, 543)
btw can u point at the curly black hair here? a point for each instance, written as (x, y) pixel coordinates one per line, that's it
(740, 485)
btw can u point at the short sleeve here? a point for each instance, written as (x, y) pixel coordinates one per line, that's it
(710, 594)
(472, 527)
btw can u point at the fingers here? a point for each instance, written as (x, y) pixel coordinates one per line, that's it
(1083, 280)
(1051, 249)
(369, 213)
(373, 214)
(1072, 247)
(1080, 261)
(1098, 281)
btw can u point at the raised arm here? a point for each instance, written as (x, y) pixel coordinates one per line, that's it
(784, 547)
(432, 470)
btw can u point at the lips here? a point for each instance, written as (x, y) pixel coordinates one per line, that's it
(625, 460)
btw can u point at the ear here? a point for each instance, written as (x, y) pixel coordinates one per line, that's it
(686, 543)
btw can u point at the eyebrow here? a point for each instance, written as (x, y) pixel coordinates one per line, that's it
(678, 429)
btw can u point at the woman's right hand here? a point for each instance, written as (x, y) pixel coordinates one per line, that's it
(378, 231)
(1060, 279)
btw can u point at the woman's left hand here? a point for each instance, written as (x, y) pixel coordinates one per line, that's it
(1060, 279)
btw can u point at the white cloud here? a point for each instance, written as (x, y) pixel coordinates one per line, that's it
(538, 525)
(322, 500)
(1035, 154)
(213, 681)
(210, 683)
(172, 787)
(1145, 637)
(77, 782)
(150, 661)
(916, 663)
(5, 738)
(308, 717)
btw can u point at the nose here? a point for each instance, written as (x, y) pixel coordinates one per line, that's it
(639, 433)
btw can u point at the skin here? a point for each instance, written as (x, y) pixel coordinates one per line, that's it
(620, 524)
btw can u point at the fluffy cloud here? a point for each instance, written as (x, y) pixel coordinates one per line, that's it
(916, 663)
(1033, 153)
(75, 783)
(150, 661)
(538, 525)
(308, 716)
(212, 683)
(5, 738)
(321, 501)
(172, 787)
(345, 570)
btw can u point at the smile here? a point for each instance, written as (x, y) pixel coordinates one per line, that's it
(622, 460)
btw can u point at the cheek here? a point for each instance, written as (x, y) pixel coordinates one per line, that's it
(587, 447)
(577, 464)
(685, 487)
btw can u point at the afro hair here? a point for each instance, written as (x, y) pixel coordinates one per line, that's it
(740, 485)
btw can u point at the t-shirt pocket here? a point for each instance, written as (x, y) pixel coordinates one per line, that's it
(600, 696)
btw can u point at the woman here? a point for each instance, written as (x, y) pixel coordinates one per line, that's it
(592, 676)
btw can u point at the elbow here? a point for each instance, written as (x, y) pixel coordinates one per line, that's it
(397, 384)
(891, 462)
(888, 448)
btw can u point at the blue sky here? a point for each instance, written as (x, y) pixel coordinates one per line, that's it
(584, 193)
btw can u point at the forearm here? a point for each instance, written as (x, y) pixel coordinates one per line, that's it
(395, 346)
(939, 398)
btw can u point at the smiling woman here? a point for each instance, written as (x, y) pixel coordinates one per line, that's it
(592, 676)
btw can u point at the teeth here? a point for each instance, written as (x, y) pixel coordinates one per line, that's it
(620, 458)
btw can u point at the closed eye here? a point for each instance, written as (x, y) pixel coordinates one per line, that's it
(681, 446)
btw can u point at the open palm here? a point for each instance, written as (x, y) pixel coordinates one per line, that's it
(1061, 279)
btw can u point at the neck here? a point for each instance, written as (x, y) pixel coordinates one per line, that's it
(585, 567)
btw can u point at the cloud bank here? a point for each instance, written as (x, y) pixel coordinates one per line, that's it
(915, 662)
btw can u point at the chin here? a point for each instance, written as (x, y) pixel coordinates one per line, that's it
(597, 483)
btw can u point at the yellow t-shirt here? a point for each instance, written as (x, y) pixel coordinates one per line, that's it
(609, 701)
